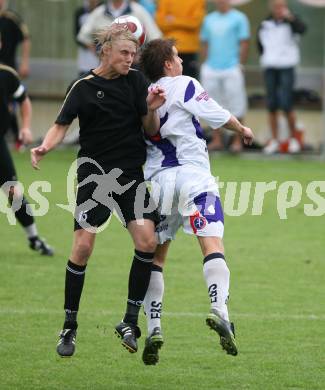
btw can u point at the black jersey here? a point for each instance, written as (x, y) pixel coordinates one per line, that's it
(12, 32)
(109, 113)
(10, 88)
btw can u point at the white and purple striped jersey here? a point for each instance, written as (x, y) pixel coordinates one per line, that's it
(180, 140)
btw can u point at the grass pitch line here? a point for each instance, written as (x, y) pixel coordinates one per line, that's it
(252, 316)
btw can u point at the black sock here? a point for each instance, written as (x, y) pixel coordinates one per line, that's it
(139, 279)
(70, 321)
(21, 215)
(156, 268)
(74, 281)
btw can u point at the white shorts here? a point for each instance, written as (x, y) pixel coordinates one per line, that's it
(187, 196)
(226, 87)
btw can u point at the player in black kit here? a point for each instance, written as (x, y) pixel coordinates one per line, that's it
(12, 89)
(14, 33)
(112, 104)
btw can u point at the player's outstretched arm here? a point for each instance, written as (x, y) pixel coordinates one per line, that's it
(245, 132)
(53, 137)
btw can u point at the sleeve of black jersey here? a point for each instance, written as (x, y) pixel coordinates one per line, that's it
(16, 89)
(142, 93)
(22, 32)
(13, 82)
(21, 97)
(69, 109)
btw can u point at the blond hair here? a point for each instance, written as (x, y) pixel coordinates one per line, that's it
(114, 32)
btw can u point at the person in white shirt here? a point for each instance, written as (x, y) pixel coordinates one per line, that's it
(278, 45)
(104, 15)
(187, 195)
(225, 36)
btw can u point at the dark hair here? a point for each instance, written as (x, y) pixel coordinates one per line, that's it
(153, 57)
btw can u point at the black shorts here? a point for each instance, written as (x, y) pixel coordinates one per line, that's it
(7, 168)
(124, 192)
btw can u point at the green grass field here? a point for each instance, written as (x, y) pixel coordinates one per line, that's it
(277, 297)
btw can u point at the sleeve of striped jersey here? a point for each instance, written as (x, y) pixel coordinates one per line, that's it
(196, 100)
(69, 109)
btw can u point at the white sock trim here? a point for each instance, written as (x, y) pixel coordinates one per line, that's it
(31, 230)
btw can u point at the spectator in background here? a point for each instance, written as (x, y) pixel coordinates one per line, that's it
(14, 32)
(278, 37)
(149, 5)
(104, 15)
(225, 37)
(182, 21)
(12, 89)
(87, 59)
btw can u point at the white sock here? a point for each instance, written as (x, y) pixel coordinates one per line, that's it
(217, 275)
(153, 300)
(31, 230)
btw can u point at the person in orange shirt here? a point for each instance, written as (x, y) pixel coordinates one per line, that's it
(181, 21)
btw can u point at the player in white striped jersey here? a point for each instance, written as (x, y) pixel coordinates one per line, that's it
(178, 166)
(180, 126)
